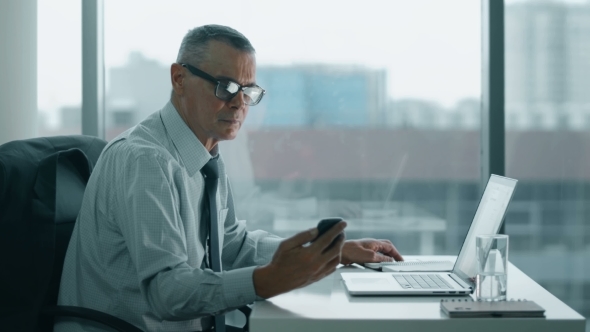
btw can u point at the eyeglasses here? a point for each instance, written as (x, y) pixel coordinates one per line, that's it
(226, 89)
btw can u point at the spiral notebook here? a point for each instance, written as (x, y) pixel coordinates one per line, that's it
(413, 266)
(468, 308)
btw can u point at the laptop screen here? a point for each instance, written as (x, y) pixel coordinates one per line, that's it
(488, 219)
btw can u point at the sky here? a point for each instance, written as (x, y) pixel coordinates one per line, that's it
(430, 48)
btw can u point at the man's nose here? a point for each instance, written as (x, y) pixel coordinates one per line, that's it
(238, 100)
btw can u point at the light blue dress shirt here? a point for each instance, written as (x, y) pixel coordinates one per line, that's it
(138, 247)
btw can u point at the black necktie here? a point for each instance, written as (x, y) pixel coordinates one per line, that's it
(211, 174)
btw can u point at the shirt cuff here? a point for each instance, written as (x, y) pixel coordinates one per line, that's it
(238, 286)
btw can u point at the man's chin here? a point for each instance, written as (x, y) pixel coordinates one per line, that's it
(229, 135)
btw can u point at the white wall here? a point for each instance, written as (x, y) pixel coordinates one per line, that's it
(18, 69)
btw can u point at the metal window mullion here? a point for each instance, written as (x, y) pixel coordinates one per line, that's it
(492, 101)
(92, 69)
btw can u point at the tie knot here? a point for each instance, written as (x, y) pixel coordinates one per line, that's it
(210, 169)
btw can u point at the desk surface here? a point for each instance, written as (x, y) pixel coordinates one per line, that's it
(326, 306)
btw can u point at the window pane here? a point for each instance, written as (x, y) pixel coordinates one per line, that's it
(372, 111)
(59, 67)
(547, 144)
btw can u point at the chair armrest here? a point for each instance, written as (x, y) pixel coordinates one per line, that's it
(246, 310)
(91, 314)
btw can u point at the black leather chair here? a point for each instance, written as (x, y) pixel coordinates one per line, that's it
(42, 182)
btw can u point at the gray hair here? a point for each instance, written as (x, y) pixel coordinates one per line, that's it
(193, 48)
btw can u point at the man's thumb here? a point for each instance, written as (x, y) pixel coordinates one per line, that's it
(301, 238)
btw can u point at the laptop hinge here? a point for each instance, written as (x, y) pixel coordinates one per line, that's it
(460, 281)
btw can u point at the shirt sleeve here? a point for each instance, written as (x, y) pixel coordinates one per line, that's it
(244, 248)
(153, 231)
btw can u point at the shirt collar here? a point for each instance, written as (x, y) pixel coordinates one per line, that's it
(192, 152)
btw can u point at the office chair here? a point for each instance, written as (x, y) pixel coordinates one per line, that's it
(42, 182)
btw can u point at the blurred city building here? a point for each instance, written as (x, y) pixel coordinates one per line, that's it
(320, 96)
(547, 67)
(134, 91)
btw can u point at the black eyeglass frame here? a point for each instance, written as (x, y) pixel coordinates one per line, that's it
(197, 72)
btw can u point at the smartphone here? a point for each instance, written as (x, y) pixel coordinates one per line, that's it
(324, 225)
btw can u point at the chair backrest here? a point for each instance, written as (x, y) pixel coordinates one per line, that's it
(42, 182)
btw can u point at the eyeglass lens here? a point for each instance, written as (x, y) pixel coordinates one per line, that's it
(226, 90)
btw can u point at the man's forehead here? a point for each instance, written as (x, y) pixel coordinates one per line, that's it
(223, 60)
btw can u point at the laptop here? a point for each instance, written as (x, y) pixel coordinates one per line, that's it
(460, 280)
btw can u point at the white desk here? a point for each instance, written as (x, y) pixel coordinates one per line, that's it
(326, 306)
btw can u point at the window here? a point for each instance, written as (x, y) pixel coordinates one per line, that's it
(372, 111)
(547, 79)
(59, 61)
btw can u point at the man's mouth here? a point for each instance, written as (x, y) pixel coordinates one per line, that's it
(230, 121)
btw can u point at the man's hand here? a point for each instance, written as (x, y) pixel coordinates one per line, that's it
(295, 265)
(369, 251)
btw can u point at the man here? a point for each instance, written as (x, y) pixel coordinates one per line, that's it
(139, 248)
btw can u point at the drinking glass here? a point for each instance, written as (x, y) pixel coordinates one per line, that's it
(492, 263)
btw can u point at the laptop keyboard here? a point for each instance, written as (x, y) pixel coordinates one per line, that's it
(421, 281)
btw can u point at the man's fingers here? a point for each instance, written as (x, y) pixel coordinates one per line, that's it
(326, 239)
(333, 263)
(335, 248)
(387, 248)
(364, 255)
(300, 238)
(326, 269)
(379, 257)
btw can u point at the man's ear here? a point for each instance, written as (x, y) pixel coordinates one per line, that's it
(177, 75)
